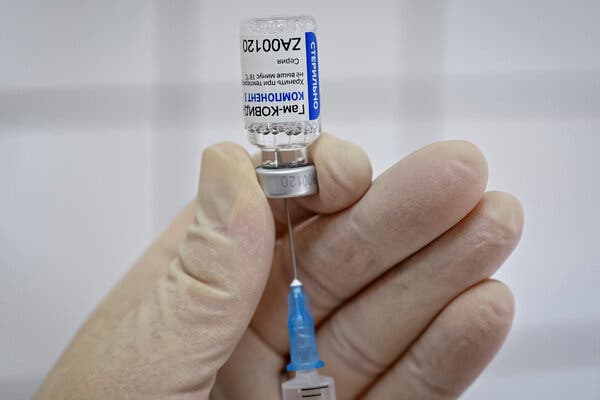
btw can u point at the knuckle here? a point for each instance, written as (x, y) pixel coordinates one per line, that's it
(323, 299)
(490, 318)
(360, 261)
(207, 256)
(424, 377)
(361, 254)
(501, 220)
(493, 314)
(185, 298)
(352, 351)
(467, 165)
(345, 172)
(339, 183)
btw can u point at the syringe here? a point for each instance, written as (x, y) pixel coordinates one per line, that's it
(304, 356)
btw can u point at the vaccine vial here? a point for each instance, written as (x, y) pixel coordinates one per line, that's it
(281, 100)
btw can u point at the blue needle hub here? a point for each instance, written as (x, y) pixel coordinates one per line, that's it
(303, 344)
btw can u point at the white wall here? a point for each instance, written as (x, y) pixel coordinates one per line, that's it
(76, 169)
(104, 110)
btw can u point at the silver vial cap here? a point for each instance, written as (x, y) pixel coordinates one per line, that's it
(288, 182)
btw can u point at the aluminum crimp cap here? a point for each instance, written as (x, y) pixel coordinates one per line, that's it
(288, 182)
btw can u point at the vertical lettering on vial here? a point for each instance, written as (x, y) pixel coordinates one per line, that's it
(312, 75)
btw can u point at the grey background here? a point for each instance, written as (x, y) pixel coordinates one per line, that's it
(106, 106)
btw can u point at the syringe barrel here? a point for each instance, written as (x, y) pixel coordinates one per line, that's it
(309, 385)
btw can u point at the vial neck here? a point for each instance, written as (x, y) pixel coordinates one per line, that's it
(282, 158)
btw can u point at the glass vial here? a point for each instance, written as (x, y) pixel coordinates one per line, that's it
(280, 86)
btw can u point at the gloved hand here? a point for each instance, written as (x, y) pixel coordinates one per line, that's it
(397, 271)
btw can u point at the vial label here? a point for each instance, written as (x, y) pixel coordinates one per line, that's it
(280, 78)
